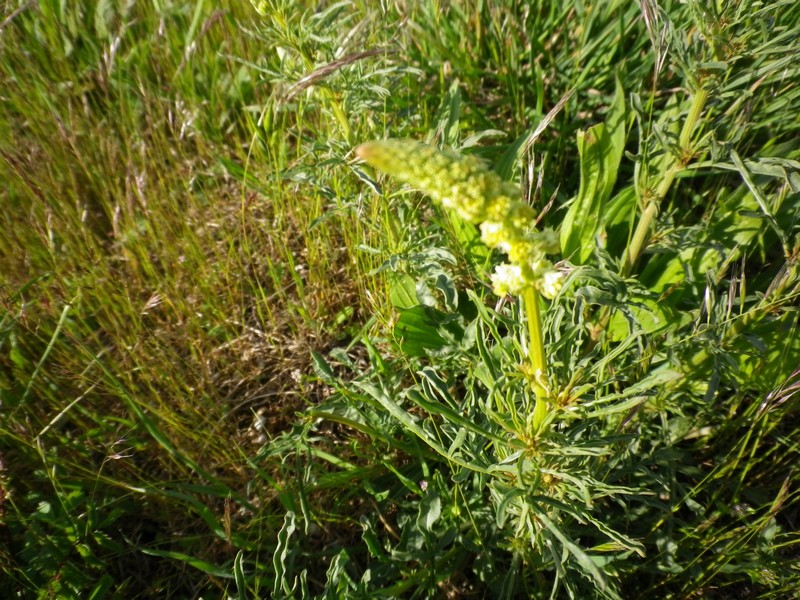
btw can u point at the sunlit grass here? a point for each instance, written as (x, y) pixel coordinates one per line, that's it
(235, 360)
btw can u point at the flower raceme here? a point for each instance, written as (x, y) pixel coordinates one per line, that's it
(466, 185)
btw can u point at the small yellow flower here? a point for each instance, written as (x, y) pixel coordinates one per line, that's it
(495, 235)
(550, 284)
(508, 279)
(523, 250)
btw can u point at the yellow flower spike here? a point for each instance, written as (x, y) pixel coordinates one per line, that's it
(466, 185)
(462, 183)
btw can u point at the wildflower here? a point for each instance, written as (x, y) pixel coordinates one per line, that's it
(495, 235)
(460, 183)
(508, 279)
(550, 283)
(465, 184)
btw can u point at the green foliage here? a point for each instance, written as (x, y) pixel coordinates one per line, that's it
(643, 343)
(236, 361)
(600, 149)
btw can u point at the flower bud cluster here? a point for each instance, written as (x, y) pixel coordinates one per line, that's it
(466, 185)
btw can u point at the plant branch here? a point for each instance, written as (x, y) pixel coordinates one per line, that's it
(642, 233)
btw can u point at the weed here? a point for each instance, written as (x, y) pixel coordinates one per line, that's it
(236, 360)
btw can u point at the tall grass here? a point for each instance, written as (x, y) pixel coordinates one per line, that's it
(149, 312)
(235, 360)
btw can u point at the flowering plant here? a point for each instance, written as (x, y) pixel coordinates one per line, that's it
(467, 186)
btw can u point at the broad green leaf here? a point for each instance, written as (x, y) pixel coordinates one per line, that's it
(403, 291)
(445, 284)
(322, 369)
(430, 509)
(505, 165)
(417, 330)
(448, 118)
(672, 268)
(618, 220)
(600, 148)
(648, 315)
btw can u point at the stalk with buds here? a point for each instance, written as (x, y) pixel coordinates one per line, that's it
(466, 185)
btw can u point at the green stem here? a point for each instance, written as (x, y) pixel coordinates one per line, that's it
(530, 300)
(642, 232)
(698, 104)
(640, 237)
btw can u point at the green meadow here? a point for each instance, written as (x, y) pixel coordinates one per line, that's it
(543, 343)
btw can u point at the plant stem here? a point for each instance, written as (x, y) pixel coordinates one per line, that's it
(642, 232)
(653, 202)
(530, 300)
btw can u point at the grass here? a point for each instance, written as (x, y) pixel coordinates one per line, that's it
(235, 361)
